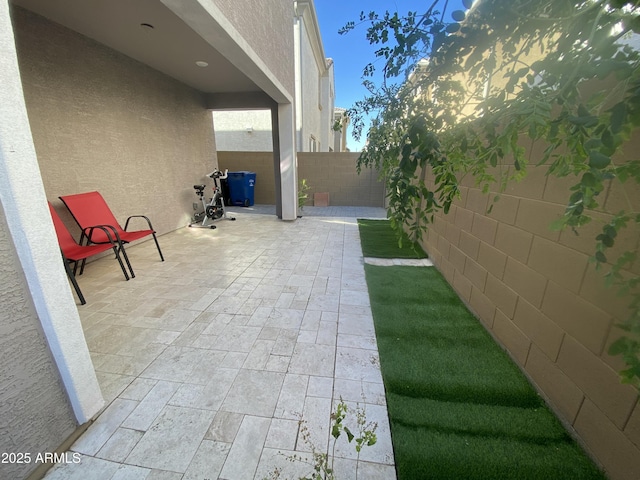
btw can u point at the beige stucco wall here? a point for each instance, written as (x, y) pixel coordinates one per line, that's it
(102, 121)
(324, 172)
(266, 27)
(35, 411)
(537, 293)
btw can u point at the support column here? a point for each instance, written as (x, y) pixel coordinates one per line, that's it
(288, 162)
(275, 139)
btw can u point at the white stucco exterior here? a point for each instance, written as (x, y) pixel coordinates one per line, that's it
(288, 163)
(250, 130)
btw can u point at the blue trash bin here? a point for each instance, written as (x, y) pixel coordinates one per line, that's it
(241, 187)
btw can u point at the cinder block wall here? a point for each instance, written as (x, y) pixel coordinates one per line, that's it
(324, 172)
(537, 293)
(335, 172)
(103, 121)
(264, 190)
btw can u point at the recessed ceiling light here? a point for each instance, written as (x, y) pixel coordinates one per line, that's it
(202, 64)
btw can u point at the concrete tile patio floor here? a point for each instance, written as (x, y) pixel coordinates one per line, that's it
(208, 360)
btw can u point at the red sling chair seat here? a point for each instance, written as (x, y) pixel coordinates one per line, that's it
(72, 252)
(91, 209)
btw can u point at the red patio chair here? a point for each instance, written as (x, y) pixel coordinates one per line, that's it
(91, 209)
(72, 252)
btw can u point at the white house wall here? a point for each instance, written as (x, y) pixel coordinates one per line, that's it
(316, 78)
(311, 114)
(248, 130)
(327, 98)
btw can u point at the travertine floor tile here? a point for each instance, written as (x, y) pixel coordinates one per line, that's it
(224, 427)
(119, 446)
(208, 460)
(88, 468)
(151, 406)
(246, 450)
(254, 392)
(173, 439)
(358, 364)
(102, 429)
(313, 359)
(282, 434)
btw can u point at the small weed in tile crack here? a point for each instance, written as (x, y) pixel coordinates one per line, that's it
(323, 462)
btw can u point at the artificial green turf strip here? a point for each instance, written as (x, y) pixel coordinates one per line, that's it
(459, 407)
(380, 240)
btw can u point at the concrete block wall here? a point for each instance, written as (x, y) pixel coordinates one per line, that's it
(264, 190)
(536, 291)
(334, 173)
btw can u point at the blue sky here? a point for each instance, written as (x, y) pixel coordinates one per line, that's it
(351, 52)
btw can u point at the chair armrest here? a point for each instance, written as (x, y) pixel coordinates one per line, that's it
(109, 230)
(126, 225)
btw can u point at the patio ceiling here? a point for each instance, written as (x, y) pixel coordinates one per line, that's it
(149, 32)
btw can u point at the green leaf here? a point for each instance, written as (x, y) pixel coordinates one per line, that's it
(606, 240)
(600, 257)
(558, 224)
(618, 117)
(607, 139)
(458, 15)
(630, 374)
(610, 231)
(619, 347)
(589, 180)
(406, 151)
(349, 434)
(598, 160)
(587, 121)
(576, 197)
(593, 143)
(452, 28)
